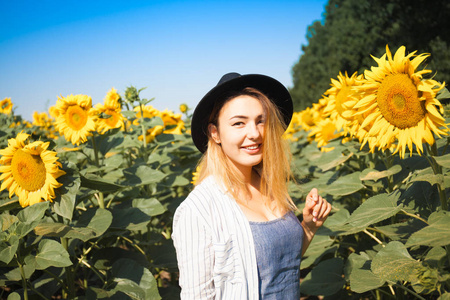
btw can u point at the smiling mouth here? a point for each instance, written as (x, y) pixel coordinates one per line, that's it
(254, 147)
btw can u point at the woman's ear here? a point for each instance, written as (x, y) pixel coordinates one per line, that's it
(214, 133)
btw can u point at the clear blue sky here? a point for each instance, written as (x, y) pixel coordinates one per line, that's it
(177, 49)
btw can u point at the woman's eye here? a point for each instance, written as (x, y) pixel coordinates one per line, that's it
(238, 123)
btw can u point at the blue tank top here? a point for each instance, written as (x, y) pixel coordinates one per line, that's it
(278, 245)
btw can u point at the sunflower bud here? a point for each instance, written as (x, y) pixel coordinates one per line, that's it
(183, 108)
(131, 94)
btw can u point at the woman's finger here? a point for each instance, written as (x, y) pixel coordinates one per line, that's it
(324, 210)
(317, 208)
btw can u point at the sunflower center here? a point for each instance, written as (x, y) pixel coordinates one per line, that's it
(76, 117)
(113, 118)
(28, 170)
(398, 101)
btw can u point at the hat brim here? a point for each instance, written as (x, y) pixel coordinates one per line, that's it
(269, 86)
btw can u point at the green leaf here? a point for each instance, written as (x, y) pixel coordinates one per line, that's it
(92, 223)
(335, 224)
(8, 248)
(325, 279)
(95, 219)
(345, 185)
(160, 158)
(33, 213)
(97, 293)
(127, 272)
(13, 296)
(96, 183)
(361, 277)
(374, 209)
(371, 174)
(6, 220)
(66, 195)
(393, 263)
(420, 198)
(320, 245)
(401, 231)
(142, 175)
(151, 207)
(175, 180)
(445, 296)
(51, 254)
(330, 161)
(437, 233)
(110, 142)
(321, 183)
(131, 218)
(104, 258)
(443, 160)
(129, 114)
(435, 256)
(16, 275)
(428, 175)
(9, 204)
(61, 230)
(129, 288)
(443, 94)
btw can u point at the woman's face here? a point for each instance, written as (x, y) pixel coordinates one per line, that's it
(240, 131)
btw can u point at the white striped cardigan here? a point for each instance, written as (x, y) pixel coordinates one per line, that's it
(214, 245)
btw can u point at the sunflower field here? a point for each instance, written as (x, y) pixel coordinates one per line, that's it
(88, 192)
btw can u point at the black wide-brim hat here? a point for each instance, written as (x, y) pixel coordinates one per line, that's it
(234, 82)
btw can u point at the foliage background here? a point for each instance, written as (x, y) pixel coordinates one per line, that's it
(107, 234)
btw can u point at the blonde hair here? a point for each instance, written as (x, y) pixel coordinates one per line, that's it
(274, 170)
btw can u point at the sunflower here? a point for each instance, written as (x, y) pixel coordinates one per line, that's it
(152, 133)
(341, 98)
(112, 112)
(53, 112)
(45, 123)
(400, 105)
(169, 118)
(196, 175)
(6, 106)
(294, 126)
(147, 112)
(324, 131)
(29, 170)
(76, 118)
(41, 119)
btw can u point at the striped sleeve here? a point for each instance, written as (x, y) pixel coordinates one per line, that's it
(195, 255)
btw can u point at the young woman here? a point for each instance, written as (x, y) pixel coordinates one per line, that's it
(236, 235)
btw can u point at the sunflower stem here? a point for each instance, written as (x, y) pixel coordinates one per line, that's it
(413, 215)
(94, 146)
(24, 279)
(373, 237)
(409, 291)
(437, 170)
(144, 140)
(69, 274)
(388, 160)
(100, 199)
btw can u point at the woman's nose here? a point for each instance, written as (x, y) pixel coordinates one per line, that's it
(253, 132)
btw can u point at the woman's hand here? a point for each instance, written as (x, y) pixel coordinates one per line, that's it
(315, 212)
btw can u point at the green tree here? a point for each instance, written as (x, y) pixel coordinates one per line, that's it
(352, 30)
